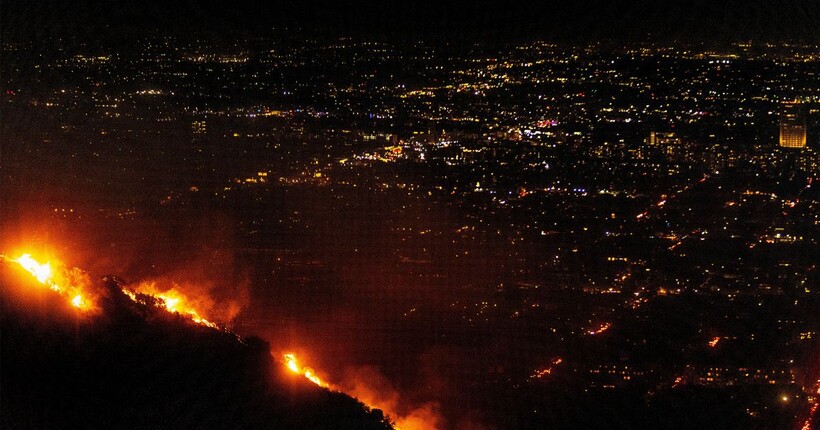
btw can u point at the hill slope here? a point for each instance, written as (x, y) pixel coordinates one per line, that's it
(137, 366)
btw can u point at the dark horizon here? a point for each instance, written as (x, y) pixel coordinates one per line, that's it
(485, 22)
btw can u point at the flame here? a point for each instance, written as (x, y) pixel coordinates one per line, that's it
(423, 418)
(63, 281)
(293, 365)
(172, 300)
(77, 301)
(41, 271)
(713, 343)
(538, 374)
(809, 423)
(73, 284)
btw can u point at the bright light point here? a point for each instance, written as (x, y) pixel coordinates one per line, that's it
(313, 378)
(170, 303)
(40, 271)
(71, 287)
(290, 360)
(293, 366)
(784, 398)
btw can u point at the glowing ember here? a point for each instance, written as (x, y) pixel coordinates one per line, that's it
(713, 343)
(68, 283)
(604, 327)
(293, 365)
(809, 423)
(538, 374)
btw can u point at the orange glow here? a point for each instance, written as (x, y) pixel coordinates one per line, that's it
(58, 278)
(363, 388)
(293, 365)
(809, 423)
(604, 327)
(75, 286)
(77, 301)
(713, 343)
(172, 300)
(41, 271)
(538, 374)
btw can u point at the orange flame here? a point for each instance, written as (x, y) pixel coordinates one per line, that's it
(538, 374)
(41, 271)
(73, 285)
(602, 328)
(172, 300)
(60, 280)
(713, 343)
(419, 419)
(293, 365)
(809, 423)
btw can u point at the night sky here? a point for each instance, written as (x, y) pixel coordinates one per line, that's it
(574, 21)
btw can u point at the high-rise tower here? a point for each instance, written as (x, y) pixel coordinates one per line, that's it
(792, 125)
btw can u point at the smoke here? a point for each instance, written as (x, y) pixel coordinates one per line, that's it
(371, 387)
(210, 283)
(194, 256)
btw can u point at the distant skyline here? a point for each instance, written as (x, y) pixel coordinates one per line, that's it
(572, 21)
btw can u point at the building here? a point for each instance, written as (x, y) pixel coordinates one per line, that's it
(199, 127)
(662, 138)
(792, 125)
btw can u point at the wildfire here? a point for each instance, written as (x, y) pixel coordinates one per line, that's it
(67, 282)
(538, 374)
(293, 365)
(77, 301)
(172, 300)
(809, 423)
(74, 285)
(41, 271)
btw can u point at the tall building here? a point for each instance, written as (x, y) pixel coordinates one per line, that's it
(792, 125)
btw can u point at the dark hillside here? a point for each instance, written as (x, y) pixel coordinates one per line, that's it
(136, 366)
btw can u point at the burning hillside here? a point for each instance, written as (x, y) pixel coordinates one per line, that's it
(78, 353)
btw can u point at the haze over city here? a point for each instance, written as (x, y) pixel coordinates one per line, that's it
(580, 215)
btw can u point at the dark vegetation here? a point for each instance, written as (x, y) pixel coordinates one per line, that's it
(135, 366)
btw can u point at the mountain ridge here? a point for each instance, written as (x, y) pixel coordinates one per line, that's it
(134, 365)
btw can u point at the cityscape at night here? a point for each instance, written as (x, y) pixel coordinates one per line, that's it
(365, 216)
